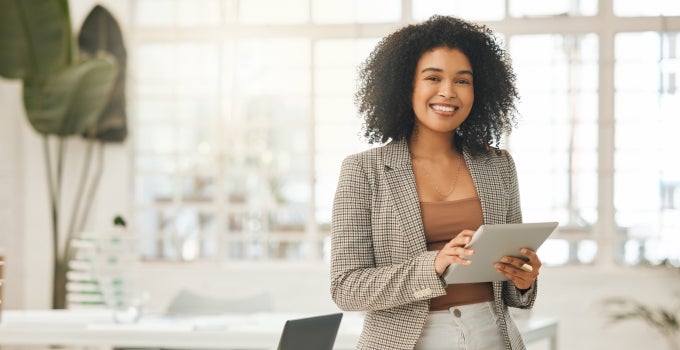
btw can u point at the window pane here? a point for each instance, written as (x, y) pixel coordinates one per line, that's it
(646, 104)
(154, 189)
(273, 12)
(480, 10)
(533, 8)
(156, 139)
(184, 13)
(276, 67)
(186, 234)
(627, 8)
(355, 11)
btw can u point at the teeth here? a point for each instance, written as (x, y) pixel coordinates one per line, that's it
(443, 108)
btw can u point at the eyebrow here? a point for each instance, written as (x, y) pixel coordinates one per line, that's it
(439, 70)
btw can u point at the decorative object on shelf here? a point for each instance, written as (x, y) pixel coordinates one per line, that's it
(68, 90)
(664, 319)
(99, 273)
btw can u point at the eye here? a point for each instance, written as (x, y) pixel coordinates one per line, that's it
(432, 78)
(463, 81)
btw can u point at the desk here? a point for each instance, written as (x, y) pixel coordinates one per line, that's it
(233, 331)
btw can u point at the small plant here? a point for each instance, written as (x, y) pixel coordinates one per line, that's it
(118, 221)
(666, 320)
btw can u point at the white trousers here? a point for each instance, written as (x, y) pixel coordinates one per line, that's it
(467, 327)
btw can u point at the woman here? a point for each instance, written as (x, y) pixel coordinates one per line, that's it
(441, 93)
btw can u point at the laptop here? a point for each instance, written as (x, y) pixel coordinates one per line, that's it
(312, 333)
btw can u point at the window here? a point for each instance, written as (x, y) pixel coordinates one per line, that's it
(355, 11)
(647, 174)
(555, 143)
(537, 8)
(242, 112)
(628, 8)
(481, 10)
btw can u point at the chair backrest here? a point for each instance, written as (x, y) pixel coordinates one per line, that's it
(312, 333)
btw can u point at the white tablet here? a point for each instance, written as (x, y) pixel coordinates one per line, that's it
(491, 243)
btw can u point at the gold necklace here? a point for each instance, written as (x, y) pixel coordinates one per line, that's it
(431, 178)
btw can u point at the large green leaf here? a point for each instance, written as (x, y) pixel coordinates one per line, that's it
(71, 100)
(35, 38)
(101, 32)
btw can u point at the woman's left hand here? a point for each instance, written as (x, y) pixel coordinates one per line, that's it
(521, 271)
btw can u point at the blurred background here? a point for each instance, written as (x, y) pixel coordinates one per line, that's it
(239, 113)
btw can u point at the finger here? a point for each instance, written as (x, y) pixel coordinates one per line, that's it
(461, 252)
(518, 263)
(461, 260)
(530, 254)
(457, 255)
(524, 271)
(534, 260)
(454, 259)
(462, 238)
(522, 280)
(468, 233)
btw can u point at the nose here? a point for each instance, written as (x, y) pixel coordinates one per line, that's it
(447, 91)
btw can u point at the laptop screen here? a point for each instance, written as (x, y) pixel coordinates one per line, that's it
(312, 333)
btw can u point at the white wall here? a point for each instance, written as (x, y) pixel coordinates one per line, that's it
(11, 194)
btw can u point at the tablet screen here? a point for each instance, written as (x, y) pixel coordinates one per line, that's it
(491, 243)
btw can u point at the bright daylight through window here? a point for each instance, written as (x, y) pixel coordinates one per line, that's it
(243, 112)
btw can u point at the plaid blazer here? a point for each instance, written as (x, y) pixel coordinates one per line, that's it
(379, 260)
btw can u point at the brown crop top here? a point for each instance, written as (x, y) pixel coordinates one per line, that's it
(442, 222)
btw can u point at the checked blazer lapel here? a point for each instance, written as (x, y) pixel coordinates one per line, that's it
(399, 178)
(492, 194)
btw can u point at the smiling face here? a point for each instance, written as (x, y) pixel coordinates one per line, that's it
(443, 90)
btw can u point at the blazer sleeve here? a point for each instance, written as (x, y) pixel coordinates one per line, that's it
(513, 296)
(357, 283)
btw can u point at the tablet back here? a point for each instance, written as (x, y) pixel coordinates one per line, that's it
(312, 333)
(491, 243)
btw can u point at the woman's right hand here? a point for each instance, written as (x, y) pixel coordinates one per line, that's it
(452, 251)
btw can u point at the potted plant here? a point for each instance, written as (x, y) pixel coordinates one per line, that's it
(67, 91)
(666, 320)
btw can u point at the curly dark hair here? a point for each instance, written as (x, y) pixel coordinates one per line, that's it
(386, 83)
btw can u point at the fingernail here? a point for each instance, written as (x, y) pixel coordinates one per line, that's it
(525, 251)
(505, 259)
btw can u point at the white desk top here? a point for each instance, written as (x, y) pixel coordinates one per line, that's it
(242, 331)
(96, 328)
